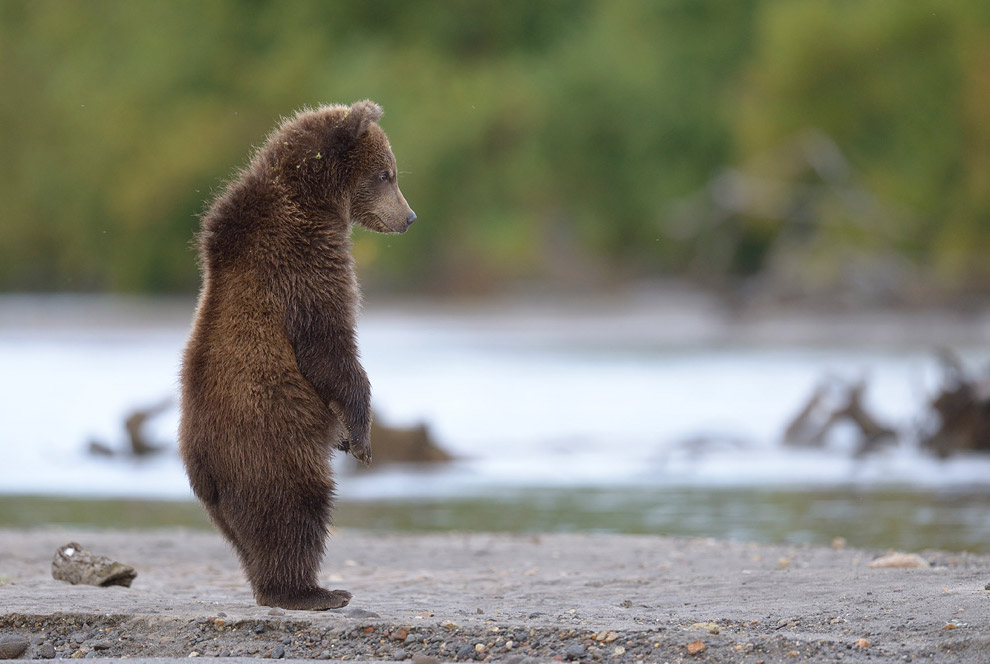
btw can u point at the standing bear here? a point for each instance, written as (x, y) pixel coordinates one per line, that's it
(271, 381)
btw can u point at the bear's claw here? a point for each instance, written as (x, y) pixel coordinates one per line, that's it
(361, 452)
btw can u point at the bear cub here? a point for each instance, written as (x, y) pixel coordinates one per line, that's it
(271, 381)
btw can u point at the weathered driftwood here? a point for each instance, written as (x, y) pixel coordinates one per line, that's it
(813, 422)
(390, 444)
(134, 424)
(874, 434)
(405, 445)
(962, 411)
(139, 444)
(74, 564)
(807, 429)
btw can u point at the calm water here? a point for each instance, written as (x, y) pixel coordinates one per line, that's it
(650, 416)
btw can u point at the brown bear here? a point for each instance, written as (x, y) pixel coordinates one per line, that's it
(271, 381)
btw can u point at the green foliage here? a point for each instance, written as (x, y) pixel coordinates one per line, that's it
(551, 139)
(896, 86)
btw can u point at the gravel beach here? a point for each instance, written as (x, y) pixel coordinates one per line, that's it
(502, 598)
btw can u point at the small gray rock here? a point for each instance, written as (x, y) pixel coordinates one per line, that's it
(46, 651)
(465, 652)
(399, 655)
(420, 658)
(278, 653)
(575, 651)
(361, 613)
(12, 646)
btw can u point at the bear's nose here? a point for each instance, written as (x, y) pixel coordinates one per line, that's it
(411, 217)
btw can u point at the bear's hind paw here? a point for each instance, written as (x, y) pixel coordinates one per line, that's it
(313, 599)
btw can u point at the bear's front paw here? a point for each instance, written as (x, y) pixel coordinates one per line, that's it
(361, 450)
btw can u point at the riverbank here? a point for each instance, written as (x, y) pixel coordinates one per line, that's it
(869, 518)
(604, 598)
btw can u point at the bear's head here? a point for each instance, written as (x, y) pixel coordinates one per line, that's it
(376, 202)
(338, 159)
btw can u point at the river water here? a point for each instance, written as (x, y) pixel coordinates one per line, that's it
(632, 414)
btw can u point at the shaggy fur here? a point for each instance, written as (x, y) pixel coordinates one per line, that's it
(271, 380)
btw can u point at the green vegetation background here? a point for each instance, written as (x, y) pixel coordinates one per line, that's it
(575, 142)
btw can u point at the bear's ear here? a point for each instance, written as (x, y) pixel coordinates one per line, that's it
(354, 125)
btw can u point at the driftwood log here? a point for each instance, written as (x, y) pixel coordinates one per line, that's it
(815, 420)
(961, 409)
(74, 564)
(405, 445)
(138, 443)
(959, 415)
(390, 444)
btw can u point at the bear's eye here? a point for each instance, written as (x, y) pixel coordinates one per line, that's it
(384, 176)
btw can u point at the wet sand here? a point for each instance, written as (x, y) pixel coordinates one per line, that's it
(504, 598)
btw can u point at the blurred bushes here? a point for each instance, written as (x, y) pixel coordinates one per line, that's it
(896, 86)
(536, 140)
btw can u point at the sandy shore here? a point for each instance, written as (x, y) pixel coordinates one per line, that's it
(505, 598)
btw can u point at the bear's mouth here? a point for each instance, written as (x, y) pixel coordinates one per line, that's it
(383, 227)
(378, 225)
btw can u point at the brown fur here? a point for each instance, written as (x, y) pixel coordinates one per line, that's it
(271, 381)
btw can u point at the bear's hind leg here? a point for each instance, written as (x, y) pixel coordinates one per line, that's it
(287, 531)
(220, 521)
(209, 494)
